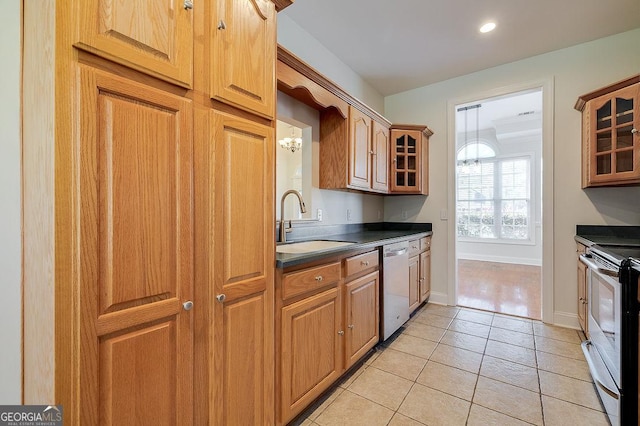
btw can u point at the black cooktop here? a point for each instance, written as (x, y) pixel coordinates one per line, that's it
(615, 254)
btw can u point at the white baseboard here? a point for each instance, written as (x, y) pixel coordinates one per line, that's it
(566, 319)
(439, 298)
(500, 259)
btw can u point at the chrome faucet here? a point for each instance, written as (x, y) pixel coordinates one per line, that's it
(303, 209)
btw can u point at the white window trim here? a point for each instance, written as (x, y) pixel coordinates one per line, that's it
(531, 241)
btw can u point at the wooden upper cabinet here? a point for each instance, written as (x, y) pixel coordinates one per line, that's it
(380, 158)
(409, 154)
(610, 135)
(244, 30)
(359, 149)
(135, 249)
(365, 143)
(152, 36)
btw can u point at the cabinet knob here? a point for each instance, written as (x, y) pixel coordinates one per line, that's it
(364, 263)
(319, 278)
(221, 298)
(634, 131)
(188, 305)
(188, 4)
(341, 332)
(350, 326)
(371, 152)
(222, 25)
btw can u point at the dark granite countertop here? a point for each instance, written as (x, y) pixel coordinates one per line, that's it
(604, 235)
(364, 236)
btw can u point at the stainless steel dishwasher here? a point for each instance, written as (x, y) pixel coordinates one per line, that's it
(395, 284)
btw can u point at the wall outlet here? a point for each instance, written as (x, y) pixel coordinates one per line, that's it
(319, 215)
(404, 214)
(348, 215)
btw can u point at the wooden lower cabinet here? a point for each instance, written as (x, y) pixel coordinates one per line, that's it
(363, 326)
(583, 305)
(419, 272)
(425, 275)
(323, 332)
(310, 345)
(414, 283)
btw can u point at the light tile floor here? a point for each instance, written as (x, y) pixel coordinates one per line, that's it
(459, 366)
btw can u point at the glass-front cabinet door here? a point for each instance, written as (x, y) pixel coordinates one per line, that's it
(611, 140)
(409, 153)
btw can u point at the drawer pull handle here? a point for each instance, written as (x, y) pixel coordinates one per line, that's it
(414, 247)
(319, 278)
(364, 263)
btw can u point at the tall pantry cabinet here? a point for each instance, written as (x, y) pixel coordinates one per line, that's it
(148, 158)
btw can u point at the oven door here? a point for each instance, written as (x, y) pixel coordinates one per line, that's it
(605, 314)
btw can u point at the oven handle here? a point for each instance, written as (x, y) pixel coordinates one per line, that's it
(594, 371)
(593, 265)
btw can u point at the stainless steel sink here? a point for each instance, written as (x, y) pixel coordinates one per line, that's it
(310, 246)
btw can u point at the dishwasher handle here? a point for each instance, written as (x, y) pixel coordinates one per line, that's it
(392, 253)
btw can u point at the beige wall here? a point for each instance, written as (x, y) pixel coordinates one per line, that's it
(10, 246)
(574, 71)
(304, 46)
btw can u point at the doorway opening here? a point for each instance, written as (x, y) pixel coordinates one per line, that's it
(498, 203)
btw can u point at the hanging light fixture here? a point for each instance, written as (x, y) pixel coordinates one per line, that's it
(465, 164)
(292, 143)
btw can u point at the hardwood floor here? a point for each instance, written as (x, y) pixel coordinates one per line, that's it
(500, 287)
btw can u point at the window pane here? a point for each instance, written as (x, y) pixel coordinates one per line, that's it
(493, 199)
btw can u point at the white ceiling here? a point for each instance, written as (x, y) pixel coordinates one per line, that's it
(403, 44)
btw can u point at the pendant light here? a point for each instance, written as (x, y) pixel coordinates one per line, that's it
(292, 143)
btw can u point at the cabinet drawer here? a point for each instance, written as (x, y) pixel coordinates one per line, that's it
(300, 282)
(362, 262)
(425, 243)
(414, 247)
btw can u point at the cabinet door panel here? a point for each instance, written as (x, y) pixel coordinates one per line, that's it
(359, 148)
(240, 347)
(310, 350)
(136, 250)
(244, 30)
(582, 297)
(414, 283)
(614, 151)
(243, 187)
(425, 275)
(242, 270)
(361, 304)
(380, 166)
(153, 36)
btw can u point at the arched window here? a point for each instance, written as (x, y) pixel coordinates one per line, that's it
(475, 150)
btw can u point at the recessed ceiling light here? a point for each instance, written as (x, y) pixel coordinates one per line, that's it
(489, 26)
